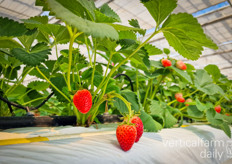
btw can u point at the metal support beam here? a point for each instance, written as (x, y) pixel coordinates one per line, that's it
(217, 20)
(226, 68)
(229, 2)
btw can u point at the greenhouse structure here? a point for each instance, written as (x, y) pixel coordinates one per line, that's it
(116, 81)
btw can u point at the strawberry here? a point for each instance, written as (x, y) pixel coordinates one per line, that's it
(180, 64)
(166, 62)
(188, 100)
(218, 108)
(227, 114)
(139, 126)
(126, 136)
(179, 97)
(83, 100)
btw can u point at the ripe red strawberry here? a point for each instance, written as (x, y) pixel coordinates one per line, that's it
(180, 64)
(179, 97)
(139, 126)
(83, 100)
(188, 100)
(126, 135)
(227, 114)
(166, 62)
(218, 108)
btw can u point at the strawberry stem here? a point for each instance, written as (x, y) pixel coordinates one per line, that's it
(126, 103)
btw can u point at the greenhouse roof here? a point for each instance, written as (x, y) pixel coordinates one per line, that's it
(215, 16)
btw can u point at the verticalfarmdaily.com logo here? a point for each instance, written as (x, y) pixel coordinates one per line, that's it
(209, 148)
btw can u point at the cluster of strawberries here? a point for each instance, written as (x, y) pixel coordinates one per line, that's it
(127, 133)
(179, 96)
(179, 64)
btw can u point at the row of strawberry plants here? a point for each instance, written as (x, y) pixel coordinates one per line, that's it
(26, 47)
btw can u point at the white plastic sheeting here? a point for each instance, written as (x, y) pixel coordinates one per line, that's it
(193, 144)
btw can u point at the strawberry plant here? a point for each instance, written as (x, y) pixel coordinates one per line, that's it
(85, 87)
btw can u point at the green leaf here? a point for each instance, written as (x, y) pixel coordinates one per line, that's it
(18, 91)
(60, 83)
(69, 15)
(166, 51)
(44, 70)
(127, 35)
(149, 123)
(120, 105)
(97, 80)
(64, 67)
(131, 97)
(9, 43)
(27, 40)
(134, 23)
(99, 68)
(210, 115)
(159, 9)
(102, 18)
(174, 88)
(205, 83)
(182, 74)
(87, 74)
(163, 111)
(225, 127)
(156, 64)
(189, 43)
(200, 106)
(194, 111)
(214, 71)
(119, 27)
(33, 21)
(170, 120)
(38, 85)
(106, 10)
(39, 53)
(152, 50)
(11, 28)
(113, 88)
(60, 32)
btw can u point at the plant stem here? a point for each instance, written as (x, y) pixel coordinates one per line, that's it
(157, 86)
(183, 108)
(70, 61)
(40, 98)
(19, 81)
(147, 91)
(87, 46)
(126, 59)
(195, 118)
(52, 84)
(95, 107)
(102, 82)
(137, 79)
(125, 101)
(25, 94)
(219, 101)
(94, 64)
